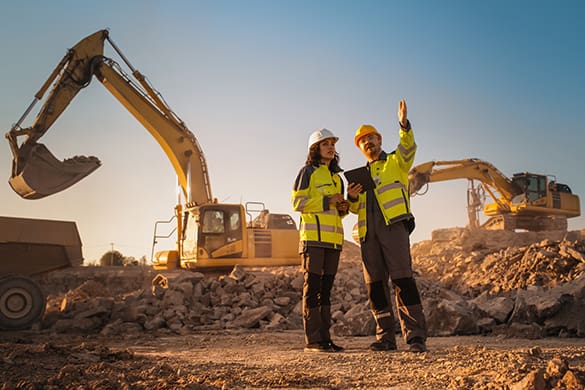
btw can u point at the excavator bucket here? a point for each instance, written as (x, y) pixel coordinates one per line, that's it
(43, 174)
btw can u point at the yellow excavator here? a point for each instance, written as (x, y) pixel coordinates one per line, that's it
(209, 234)
(527, 201)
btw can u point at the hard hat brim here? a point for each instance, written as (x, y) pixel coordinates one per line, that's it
(357, 138)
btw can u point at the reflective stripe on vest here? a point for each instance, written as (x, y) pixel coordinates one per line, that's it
(389, 197)
(324, 226)
(407, 153)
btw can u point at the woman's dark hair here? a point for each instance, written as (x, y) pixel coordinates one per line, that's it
(314, 158)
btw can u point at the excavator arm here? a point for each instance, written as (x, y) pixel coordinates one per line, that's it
(472, 169)
(36, 173)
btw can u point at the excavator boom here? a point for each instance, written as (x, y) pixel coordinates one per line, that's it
(472, 168)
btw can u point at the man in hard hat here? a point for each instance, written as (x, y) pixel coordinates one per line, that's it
(318, 195)
(385, 222)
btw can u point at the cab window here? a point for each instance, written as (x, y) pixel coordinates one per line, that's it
(536, 188)
(234, 221)
(213, 222)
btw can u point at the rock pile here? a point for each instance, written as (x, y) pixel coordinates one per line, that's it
(493, 282)
(191, 300)
(557, 375)
(520, 284)
(471, 263)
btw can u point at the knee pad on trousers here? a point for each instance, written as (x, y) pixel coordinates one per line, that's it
(407, 291)
(377, 295)
(312, 289)
(326, 286)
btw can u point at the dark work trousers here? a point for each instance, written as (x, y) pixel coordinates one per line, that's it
(386, 255)
(320, 266)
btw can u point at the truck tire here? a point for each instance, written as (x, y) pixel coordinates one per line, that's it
(22, 303)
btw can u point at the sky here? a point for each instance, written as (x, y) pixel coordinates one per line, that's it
(503, 81)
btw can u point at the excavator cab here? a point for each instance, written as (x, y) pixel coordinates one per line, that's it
(38, 173)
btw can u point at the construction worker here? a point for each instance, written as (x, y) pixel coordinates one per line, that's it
(385, 222)
(318, 196)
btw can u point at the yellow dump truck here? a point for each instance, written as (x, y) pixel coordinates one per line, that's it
(29, 249)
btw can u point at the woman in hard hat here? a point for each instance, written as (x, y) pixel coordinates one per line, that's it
(318, 196)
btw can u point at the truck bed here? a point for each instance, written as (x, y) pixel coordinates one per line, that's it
(34, 246)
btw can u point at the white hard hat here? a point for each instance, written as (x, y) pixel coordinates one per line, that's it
(320, 135)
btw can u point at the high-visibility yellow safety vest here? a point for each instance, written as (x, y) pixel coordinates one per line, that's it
(320, 225)
(390, 173)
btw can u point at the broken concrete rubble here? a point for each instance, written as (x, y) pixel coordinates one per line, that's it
(509, 278)
(497, 282)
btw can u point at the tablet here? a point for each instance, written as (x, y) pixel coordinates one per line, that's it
(362, 176)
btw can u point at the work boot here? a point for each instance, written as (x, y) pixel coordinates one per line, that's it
(318, 347)
(333, 346)
(417, 345)
(383, 345)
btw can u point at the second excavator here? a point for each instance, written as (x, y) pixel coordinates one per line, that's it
(527, 201)
(209, 234)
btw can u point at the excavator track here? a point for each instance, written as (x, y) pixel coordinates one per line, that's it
(534, 224)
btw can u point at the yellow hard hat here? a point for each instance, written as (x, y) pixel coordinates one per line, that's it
(363, 131)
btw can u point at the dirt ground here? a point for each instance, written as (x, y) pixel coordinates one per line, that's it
(253, 359)
(238, 358)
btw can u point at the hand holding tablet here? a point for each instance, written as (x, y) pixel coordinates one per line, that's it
(361, 176)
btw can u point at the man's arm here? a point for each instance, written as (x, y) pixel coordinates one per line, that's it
(407, 147)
